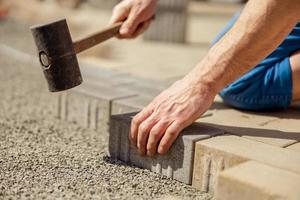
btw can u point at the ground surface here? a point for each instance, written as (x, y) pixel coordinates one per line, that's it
(42, 157)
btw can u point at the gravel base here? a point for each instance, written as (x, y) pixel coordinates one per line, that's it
(42, 157)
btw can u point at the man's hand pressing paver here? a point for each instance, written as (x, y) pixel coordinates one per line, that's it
(254, 65)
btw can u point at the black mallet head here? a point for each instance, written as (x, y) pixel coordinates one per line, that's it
(57, 55)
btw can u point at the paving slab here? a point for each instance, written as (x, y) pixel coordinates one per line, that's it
(152, 60)
(253, 180)
(144, 87)
(90, 105)
(276, 128)
(131, 104)
(118, 93)
(222, 152)
(96, 74)
(176, 164)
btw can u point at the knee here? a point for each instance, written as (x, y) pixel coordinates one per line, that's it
(264, 89)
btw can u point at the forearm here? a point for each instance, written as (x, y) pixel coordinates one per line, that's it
(262, 26)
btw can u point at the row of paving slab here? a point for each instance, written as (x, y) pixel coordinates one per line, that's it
(228, 153)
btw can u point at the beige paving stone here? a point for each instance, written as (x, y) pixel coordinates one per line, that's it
(96, 74)
(222, 152)
(148, 90)
(295, 147)
(253, 180)
(152, 60)
(278, 128)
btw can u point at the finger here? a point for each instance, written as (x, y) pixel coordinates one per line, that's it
(155, 135)
(169, 137)
(120, 13)
(131, 24)
(141, 28)
(143, 133)
(135, 123)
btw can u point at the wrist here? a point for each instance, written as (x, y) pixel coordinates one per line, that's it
(205, 75)
(202, 83)
(218, 69)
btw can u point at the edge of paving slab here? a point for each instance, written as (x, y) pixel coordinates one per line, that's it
(254, 180)
(176, 164)
(216, 154)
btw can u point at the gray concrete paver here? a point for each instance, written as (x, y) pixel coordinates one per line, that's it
(176, 164)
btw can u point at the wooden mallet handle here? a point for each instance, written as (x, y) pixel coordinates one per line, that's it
(96, 38)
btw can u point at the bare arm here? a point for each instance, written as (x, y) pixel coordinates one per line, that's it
(259, 30)
(261, 27)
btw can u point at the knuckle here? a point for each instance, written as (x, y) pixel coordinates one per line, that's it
(165, 122)
(172, 133)
(143, 128)
(163, 146)
(171, 130)
(139, 14)
(155, 134)
(135, 120)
